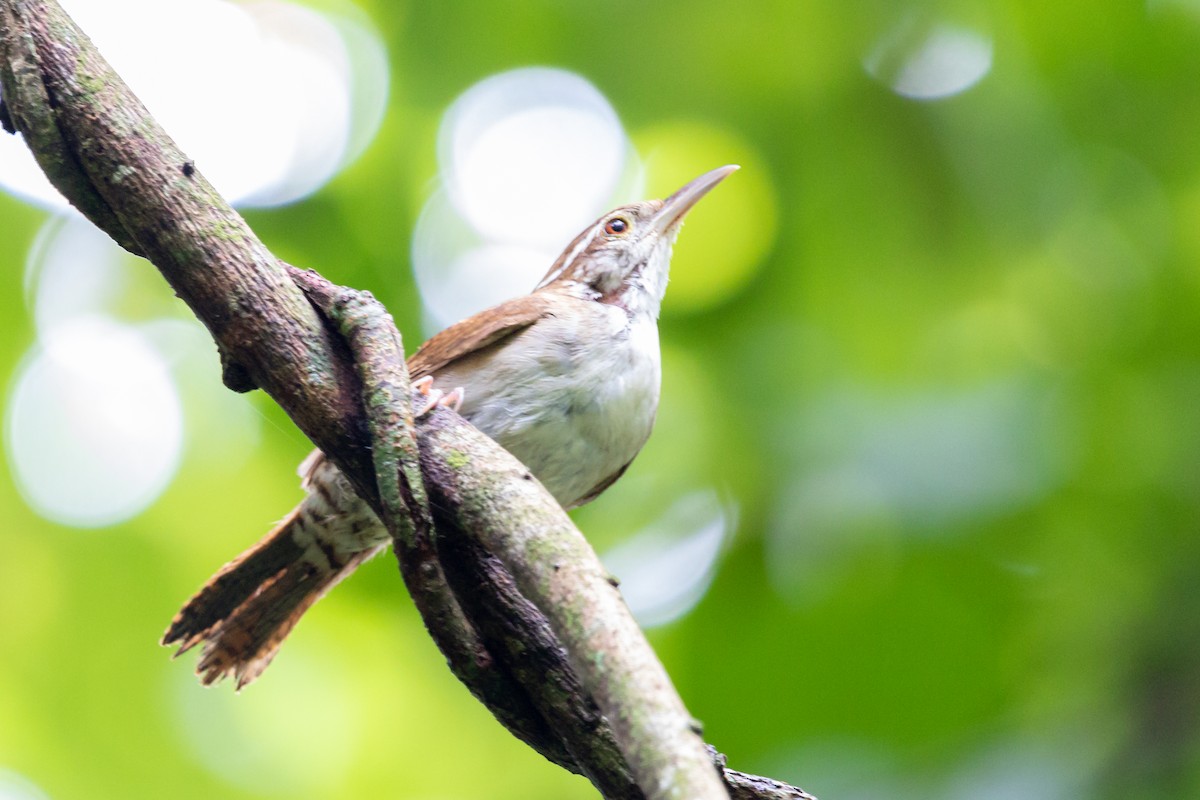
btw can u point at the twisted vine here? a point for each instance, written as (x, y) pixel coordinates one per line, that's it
(508, 588)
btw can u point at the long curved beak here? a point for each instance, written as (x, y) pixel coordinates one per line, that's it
(676, 206)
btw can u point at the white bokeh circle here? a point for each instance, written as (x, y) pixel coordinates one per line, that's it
(528, 156)
(930, 62)
(94, 426)
(666, 568)
(459, 273)
(292, 95)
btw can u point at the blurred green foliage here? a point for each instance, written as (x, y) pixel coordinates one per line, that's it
(952, 392)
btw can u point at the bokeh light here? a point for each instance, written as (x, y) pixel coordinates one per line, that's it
(83, 290)
(926, 464)
(74, 270)
(295, 96)
(94, 426)
(925, 60)
(1020, 768)
(665, 568)
(223, 429)
(16, 787)
(460, 273)
(270, 121)
(527, 158)
(937, 361)
(727, 236)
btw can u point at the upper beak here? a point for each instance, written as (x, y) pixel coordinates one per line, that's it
(676, 206)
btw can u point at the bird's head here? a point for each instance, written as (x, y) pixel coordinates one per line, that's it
(623, 257)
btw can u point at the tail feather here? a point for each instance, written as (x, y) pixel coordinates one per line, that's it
(233, 584)
(245, 611)
(244, 643)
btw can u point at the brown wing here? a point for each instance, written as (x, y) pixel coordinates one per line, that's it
(459, 340)
(477, 332)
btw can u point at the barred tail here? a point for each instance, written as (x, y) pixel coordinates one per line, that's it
(245, 611)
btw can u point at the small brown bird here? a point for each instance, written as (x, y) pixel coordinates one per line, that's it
(566, 379)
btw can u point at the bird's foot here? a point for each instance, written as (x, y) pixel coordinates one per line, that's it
(436, 397)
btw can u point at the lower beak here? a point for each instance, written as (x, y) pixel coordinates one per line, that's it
(675, 207)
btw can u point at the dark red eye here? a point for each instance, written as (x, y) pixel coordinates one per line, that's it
(616, 226)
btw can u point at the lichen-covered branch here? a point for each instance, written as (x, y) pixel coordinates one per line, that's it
(404, 508)
(510, 624)
(333, 361)
(29, 110)
(515, 630)
(268, 332)
(104, 151)
(502, 507)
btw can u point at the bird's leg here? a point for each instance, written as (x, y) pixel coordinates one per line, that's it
(436, 397)
(454, 400)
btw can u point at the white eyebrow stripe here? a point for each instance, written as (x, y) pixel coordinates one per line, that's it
(570, 259)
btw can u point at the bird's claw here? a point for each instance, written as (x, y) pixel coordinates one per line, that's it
(454, 400)
(436, 397)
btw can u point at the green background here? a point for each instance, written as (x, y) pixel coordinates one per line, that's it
(942, 356)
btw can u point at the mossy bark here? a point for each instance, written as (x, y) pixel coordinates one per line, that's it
(524, 612)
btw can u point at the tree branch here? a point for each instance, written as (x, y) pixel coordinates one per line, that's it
(340, 375)
(501, 507)
(377, 352)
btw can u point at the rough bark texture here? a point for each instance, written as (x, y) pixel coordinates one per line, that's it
(498, 505)
(598, 701)
(103, 150)
(520, 635)
(379, 356)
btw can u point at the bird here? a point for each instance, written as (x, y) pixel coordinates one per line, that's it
(566, 378)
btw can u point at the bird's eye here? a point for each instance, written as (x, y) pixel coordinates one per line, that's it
(616, 226)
